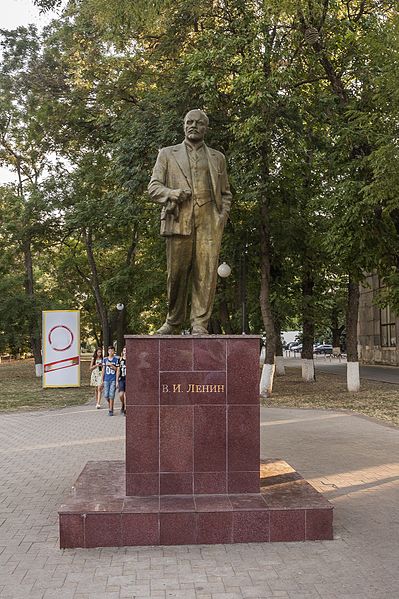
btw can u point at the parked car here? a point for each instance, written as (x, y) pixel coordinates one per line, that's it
(291, 344)
(296, 348)
(325, 348)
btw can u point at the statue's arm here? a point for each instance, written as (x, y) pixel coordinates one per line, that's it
(225, 188)
(156, 188)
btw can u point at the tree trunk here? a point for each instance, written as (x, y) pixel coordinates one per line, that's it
(265, 303)
(34, 319)
(96, 337)
(353, 378)
(352, 319)
(266, 385)
(338, 87)
(243, 292)
(308, 327)
(336, 331)
(95, 284)
(279, 358)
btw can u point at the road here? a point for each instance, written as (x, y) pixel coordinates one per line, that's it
(384, 374)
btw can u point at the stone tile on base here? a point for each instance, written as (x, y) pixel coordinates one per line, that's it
(72, 530)
(213, 503)
(251, 526)
(178, 528)
(210, 482)
(287, 525)
(177, 503)
(142, 484)
(243, 382)
(142, 387)
(103, 530)
(176, 483)
(176, 442)
(209, 354)
(214, 527)
(175, 354)
(243, 482)
(319, 525)
(209, 438)
(139, 529)
(142, 451)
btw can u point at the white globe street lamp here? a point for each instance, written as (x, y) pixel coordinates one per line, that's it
(120, 307)
(224, 270)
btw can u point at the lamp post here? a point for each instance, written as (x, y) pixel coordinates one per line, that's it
(243, 287)
(224, 271)
(120, 327)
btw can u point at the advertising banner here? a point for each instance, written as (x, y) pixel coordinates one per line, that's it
(61, 348)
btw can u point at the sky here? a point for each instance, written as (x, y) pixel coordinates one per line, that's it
(15, 13)
(21, 12)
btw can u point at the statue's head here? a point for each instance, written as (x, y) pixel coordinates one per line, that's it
(195, 125)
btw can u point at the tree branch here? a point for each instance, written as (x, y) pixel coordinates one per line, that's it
(314, 80)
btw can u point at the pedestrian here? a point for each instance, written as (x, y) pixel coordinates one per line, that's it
(190, 182)
(96, 366)
(110, 367)
(121, 381)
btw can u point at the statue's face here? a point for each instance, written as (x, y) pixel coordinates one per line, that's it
(195, 126)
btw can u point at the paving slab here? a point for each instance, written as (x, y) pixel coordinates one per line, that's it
(353, 461)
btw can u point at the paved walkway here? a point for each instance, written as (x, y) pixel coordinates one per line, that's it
(354, 461)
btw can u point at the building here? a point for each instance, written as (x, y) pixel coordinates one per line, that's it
(378, 327)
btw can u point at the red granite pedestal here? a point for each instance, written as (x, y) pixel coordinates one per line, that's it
(192, 457)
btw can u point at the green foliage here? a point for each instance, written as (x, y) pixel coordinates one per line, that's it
(302, 98)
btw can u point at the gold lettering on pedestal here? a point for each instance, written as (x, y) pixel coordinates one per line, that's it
(205, 388)
(194, 388)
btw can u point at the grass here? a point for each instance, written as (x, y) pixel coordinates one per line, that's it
(375, 399)
(21, 390)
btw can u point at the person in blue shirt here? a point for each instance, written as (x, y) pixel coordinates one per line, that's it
(110, 367)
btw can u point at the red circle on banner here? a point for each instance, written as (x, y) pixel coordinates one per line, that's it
(60, 326)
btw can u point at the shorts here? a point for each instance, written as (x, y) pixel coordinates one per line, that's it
(122, 385)
(109, 389)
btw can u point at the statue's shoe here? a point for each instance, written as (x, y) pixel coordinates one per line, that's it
(168, 329)
(199, 330)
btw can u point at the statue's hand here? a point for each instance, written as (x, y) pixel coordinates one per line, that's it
(179, 195)
(224, 215)
(170, 207)
(186, 195)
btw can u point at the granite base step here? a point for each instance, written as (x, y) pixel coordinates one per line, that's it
(99, 514)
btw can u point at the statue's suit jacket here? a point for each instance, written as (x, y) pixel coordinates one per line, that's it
(172, 171)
